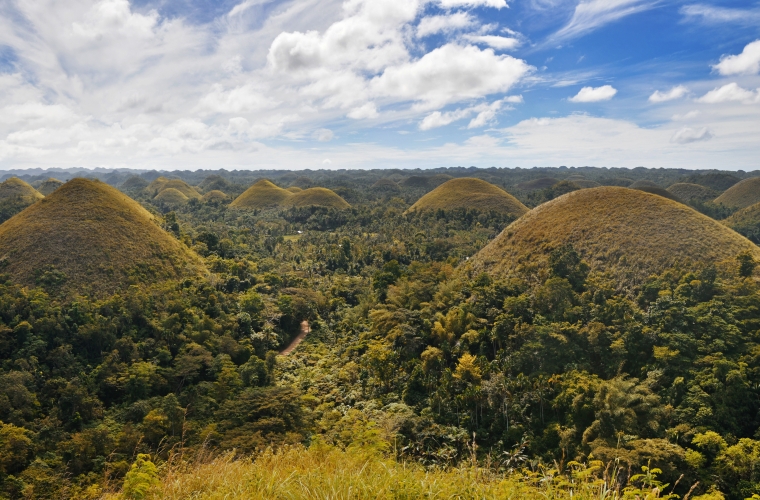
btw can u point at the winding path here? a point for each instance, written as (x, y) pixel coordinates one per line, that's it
(305, 330)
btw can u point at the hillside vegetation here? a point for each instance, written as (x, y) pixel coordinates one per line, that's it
(215, 196)
(89, 237)
(746, 222)
(48, 186)
(470, 194)
(171, 197)
(687, 191)
(659, 192)
(717, 181)
(17, 190)
(742, 194)
(265, 194)
(542, 183)
(628, 232)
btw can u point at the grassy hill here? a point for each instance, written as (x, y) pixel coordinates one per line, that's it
(162, 183)
(718, 181)
(215, 183)
(659, 192)
(424, 181)
(742, 194)
(215, 196)
(542, 183)
(746, 222)
(134, 182)
(687, 191)
(294, 189)
(263, 194)
(585, 183)
(17, 190)
(48, 186)
(643, 184)
(89, 237)
(320, 197)
(172, 197)
(627, 232)
(471, 194)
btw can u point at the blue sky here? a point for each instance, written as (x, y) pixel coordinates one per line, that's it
(379, 83)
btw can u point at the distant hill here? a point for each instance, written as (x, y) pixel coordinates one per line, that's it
(584, 183)
(48, 186)
(659, 192)
(158, 185)
(626, 232)
(469, 193)
(746, 222)
(87, 237)
(718, 181)
(294, 189)
(263, 194)
(742, 194)
(17, 190)
(687, 191)
(302, 182)
(215, 182)
(134, 182)
(424, 181)
(386, 186)
(172, 197)
(616, 181)
(643, 184)
(215, 196)
(317, 196)
(542, 183)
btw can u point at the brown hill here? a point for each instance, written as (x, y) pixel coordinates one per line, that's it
(626, 232)
(171, 197)
(688, 191)
(584, 183)
(742, 194)
(48, 186)
(294, 189)
(215, 196)
(718, 181)
(659, 192)
(263, 194)
(319, 197)
(87, 237)
(134, 182)
(471, 194)
(14, 189)
(542, 183)
(643, 184)
(746, 222)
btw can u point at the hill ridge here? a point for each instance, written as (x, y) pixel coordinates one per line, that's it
(471, 193)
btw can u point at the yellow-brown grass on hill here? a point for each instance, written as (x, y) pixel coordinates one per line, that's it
(215, 196)
(294, 189)
(742, 194)
(172, 197)
(319, 197)
(90, 238)
(659, 192)
(472, 194)
(326, 472)
(745, 216)
(688, 191)
(14, 189)
(162, 183)
(48, 186)
(263, 194)
(626, 232)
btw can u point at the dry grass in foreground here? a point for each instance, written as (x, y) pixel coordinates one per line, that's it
(326, 472)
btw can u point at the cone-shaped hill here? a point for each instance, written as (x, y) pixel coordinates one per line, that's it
(746, 222)
(628, 233)
(215, 183)
(87, 237)
(158, 185)
(659, 192)
(14, 189)
(263, 194)
(742, 194)
(134, 182)
(48, 186)
(471, 194)
(215, 196)
(318, 197)
(171, 197)
(687, 191)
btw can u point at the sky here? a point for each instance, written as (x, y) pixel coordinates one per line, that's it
(310, 84)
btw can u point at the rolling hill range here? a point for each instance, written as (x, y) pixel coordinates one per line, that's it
(17, 190)
(87, 237)
(659, 192)
(627, 232)
(687, 191)
(171, 197)
(469, 193)
(48, 186)
(215, 196)
(265, 194)
(163, 183)
(742, 194)
(746, 222)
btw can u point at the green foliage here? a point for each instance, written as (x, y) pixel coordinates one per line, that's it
(141, 478)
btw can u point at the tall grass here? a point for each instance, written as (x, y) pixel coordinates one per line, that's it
(326, 472)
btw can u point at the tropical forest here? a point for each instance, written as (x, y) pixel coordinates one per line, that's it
(464, 333)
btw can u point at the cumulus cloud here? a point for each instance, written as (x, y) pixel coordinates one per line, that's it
(592, 14)
(675, 93)
(746, 63)
(731, 92)
(688, 135)
(496, 42)
(485, 114)
(595, 94)
(364, 112)
(115, 16)
(432, 25)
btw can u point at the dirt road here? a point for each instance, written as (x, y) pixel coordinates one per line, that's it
(305, 329)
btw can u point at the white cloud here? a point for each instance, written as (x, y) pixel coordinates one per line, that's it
(323, 135)
(675, 93)
(450, 4)
(364, 112)
(595, 94)
(710, 14)
(485, 114)
(497, 42)
(115, 16)
(688, 135)
(451, 73)
(591, 14)
(245, 98)
(731, 92)
(686, 116)
(432, 25)
(438, 119)
(746, 63)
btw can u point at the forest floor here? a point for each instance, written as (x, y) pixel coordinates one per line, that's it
(305, 329)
